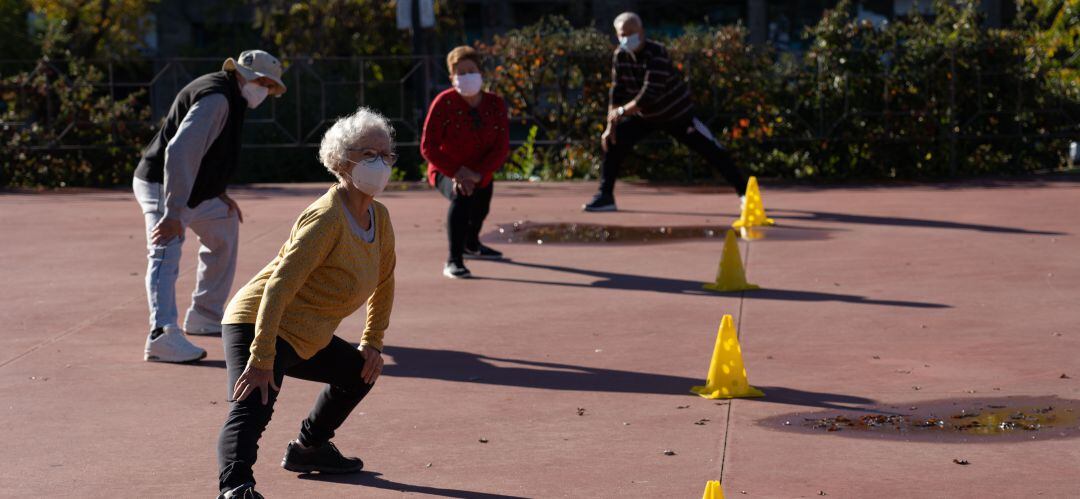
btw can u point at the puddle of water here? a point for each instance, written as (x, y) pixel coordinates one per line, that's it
(785, 233)
(545, 233)
(554, 233)
(958, 421)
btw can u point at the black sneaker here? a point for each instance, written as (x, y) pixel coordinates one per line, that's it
(482, 252)
(600, 202)
(245, 491)
(325, 458)
(456, 270)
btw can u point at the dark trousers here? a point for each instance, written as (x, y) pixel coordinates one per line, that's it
(465, 216)
(338, 365)
(691, 132)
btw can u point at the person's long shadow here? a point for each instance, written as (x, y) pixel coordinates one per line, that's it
(682, 213)
(374, 479)
(468, 367)
(824, 216)
(631, 282)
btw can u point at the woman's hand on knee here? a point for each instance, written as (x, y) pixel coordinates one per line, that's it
(252, 379)
(373, 364)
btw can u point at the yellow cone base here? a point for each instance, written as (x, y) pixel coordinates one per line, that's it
(740, 224)
(724, 288)
(713, 490)
(751, 234)
(724, 393)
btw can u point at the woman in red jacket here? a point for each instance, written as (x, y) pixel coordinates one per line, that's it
(465, 139)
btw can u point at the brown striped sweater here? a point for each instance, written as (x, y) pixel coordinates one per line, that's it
(650, 77)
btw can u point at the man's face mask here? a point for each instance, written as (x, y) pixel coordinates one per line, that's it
(254, 93)
(631, 42)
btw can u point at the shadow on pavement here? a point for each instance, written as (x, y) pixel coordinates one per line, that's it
(824, 216)
(374, 479)
(218, 363)
(450, 365)
(615, 280)
(681, 213)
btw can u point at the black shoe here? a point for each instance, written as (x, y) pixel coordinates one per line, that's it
(245, 491)
(456, 270)
(325, 458)
(482, 252)
(600, 202)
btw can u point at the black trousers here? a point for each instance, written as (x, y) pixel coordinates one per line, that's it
(338, 365)
(691, 132)
(465, 216)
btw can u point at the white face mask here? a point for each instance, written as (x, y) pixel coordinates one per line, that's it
(631, 42)
(370, 177)
(254, 93)
(468, 84)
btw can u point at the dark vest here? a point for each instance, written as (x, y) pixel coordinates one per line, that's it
(221, 158)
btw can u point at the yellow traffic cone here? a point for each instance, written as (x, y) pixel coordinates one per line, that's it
(713, 490)
(727, 375)
(753, 212)
(730, 276)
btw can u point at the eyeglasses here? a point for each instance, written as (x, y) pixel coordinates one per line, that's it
(368, 155)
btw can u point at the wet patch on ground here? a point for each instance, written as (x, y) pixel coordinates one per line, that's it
(526, 232)
(1011, 419)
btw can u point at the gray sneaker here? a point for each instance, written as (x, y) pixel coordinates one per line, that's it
(170, 345)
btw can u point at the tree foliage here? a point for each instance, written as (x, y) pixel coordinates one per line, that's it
(341, 28)
(92, 29)
(62, 125)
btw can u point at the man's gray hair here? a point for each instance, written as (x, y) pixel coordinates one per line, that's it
(627, 17)
(344, 133)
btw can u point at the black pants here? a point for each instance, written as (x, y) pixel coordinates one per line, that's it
(465, 216)
(690, 132)
(339, 365)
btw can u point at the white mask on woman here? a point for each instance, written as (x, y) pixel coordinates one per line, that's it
(371, 176)
(631, 42)
(468, 84)
(254, 93)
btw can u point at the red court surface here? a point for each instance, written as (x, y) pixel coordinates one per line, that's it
(574, 362)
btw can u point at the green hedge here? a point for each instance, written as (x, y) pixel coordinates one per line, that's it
(914, 99)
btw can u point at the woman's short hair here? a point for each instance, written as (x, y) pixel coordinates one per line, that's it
(462, 53)
(344, 133)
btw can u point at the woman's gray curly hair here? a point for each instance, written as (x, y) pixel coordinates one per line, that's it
(345, 132)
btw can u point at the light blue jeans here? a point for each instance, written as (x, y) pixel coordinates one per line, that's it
(218, 232)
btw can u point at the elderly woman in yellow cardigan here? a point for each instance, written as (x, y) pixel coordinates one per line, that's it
(339, 256)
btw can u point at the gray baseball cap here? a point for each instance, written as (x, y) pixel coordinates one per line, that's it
(254, 64)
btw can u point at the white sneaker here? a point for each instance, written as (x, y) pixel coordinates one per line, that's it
(171, 346)
(198, 325)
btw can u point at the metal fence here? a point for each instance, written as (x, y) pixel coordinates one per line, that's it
(319, 90)
(402, 87)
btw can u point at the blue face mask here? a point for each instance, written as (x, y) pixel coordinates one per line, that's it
(631, 42)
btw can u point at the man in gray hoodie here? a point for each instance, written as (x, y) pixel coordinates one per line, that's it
(180, 183)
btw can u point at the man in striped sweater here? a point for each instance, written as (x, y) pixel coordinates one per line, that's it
(648, 94)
